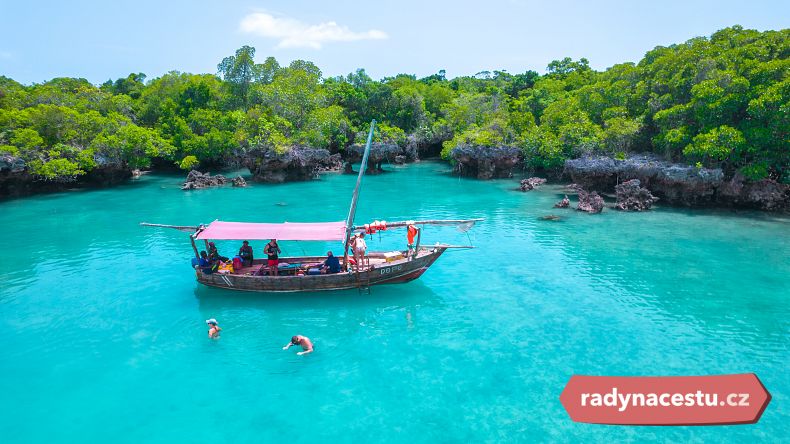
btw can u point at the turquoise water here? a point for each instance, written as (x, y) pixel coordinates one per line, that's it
(104, 337)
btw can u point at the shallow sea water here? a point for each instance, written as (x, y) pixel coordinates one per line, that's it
(104, 337)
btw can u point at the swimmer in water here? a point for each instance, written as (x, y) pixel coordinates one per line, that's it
(213, 328)
(304, 341)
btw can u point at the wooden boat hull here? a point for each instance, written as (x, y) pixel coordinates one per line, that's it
(396, 272)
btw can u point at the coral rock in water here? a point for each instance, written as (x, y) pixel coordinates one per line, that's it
(531, 183)
(197, 180)
(631, 196)
(590, 202)
(239, 181)
(564, 203)
(573, 188)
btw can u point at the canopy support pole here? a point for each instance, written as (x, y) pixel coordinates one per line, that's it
(194, 247)
(417, 245)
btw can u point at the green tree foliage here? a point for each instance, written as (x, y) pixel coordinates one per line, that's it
(188, 163)
(131, 86)
(715, 145)
(239, 71)
(722, 100)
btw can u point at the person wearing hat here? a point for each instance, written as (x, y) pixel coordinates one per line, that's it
(213, 328)
(245, 253)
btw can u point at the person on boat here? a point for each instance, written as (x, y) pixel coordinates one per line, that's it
(213, 254)
(304, 341)
(331, 265)
(272, 250)
(359, 247)
(213, 328)
(411, 233)
(245, 253)
(203, 263)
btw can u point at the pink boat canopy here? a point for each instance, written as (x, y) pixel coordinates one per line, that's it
(320, 231)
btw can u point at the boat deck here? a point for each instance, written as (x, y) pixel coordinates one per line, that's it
(303, 263)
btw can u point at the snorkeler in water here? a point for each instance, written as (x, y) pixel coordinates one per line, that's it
(213, 328)
(304, 341)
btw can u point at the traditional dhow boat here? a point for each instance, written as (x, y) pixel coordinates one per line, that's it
(299, 273)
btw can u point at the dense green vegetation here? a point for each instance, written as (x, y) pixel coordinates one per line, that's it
(718, 101)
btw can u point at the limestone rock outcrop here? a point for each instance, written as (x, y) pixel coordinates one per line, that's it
(485, 162)
(531, 183)
(631, 196)
(590, 202)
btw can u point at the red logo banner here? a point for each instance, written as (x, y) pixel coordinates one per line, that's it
(669, 400)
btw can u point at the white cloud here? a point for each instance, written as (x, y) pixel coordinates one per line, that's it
(295, 34)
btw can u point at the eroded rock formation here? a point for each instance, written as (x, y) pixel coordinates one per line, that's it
(239, 181)
(197, 180)
(16, 180)
(298, 163)
(590, 202)
(680, 184)
(764, 194)
(531, 183)
(631, 196)
(380, 153)
(485, 162)
(564, 203)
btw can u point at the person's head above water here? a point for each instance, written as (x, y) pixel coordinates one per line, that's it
(211, 321)
(294, 339)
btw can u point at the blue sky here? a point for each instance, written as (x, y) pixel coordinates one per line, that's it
(99, 40)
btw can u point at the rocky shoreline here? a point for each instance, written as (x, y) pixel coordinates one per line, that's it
(639, 180)
(677, 184)
(672, 183)
(16, 180)
(265, 165)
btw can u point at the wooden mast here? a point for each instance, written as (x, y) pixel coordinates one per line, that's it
(355, 197)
